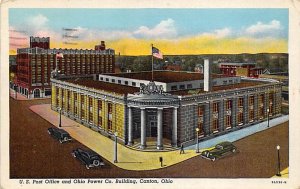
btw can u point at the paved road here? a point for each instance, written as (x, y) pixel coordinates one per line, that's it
(34, 154)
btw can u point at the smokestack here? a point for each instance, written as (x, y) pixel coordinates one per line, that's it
(207, 75)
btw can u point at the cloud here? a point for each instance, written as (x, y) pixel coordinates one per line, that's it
(273, 28)
(164, 30)
(37, 22)
(218, 33)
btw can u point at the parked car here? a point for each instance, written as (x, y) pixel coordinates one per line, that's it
(59, 134)
(88, 157)
(219, 151)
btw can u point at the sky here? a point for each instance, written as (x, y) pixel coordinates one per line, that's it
(173, 31)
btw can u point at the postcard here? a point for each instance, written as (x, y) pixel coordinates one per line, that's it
(154, 94)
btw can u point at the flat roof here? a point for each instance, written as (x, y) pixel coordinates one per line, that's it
(110, 87)
(123, 89)
(165, 76)
(218, 88)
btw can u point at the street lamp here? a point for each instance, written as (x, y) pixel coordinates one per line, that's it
(197, 147)
(59, 109)
(278, 164)
(268, 111)
(116, 148)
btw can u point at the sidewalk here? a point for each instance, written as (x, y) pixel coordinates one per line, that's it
(284, 174)
(127, 158)
(138, 160)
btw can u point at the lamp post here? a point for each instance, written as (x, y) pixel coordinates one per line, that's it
(116, 148)
(59, 109)
(197, 147)
(278, 163)
(268, 112)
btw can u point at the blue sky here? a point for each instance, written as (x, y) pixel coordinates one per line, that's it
(154, 24)
(188, 21)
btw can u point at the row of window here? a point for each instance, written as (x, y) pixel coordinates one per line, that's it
(66, 105)
(228, 118)
(118, 81)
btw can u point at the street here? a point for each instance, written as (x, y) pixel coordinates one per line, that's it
(34, 154)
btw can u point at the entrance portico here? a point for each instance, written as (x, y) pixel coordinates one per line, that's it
(152, 107)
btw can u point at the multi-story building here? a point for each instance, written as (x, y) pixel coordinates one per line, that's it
(35, 64)
(240, 69)
(167, 110)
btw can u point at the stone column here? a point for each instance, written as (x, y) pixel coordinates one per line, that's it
(143, 128)
(159, 129)
(130, 142)
(174, 128)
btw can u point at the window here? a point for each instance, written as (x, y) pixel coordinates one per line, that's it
(113, 80)
(82, 106)
(119, 81)
(62, 99)
(110, 117)
(99, 113)
(189, 86)
(75, 104)
(181, 87)
(224, 82)
(90, 109)
(240, 102)
(69, 101)
(228, 104)
(174, 88)
(133, 84)
(106, 79)
(200, 119)
(126, 82)
(215, 107)
(101, 78)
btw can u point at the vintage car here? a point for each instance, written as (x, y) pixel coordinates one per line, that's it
(59, 134)
(88, 157)
(219, 151)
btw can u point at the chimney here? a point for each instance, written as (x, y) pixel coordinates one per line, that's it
(207, 76)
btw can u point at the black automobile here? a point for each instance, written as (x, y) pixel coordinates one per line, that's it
(219, 151)
(59, 134)
(88, 157)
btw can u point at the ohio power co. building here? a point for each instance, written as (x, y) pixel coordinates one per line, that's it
(166, 111)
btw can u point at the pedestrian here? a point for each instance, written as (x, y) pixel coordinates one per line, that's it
(181, 149)
(161, 161)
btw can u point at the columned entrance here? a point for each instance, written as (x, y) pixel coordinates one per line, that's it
(152, 117)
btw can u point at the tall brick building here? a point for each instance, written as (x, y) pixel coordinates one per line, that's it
(168, 110)
(35, 64)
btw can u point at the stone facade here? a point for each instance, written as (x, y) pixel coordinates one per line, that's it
(171, 118)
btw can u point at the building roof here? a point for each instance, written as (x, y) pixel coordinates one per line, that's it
(123, 89)
(218, 88)
(237, 63)
(110, 87)
(166, 76)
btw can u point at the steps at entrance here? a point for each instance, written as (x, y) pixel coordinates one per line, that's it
(151, 147)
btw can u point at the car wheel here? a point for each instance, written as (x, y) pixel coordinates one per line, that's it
(96, 163)
(49, 132)
(233, 150)
(65, 138)
(60, 141)
(87, 167)
(73, 154)
(213, 159)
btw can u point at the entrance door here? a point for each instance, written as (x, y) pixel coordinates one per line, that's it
(36, 93)
(153, 128)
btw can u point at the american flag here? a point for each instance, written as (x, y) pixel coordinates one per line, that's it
(156, 53)
(59, 55)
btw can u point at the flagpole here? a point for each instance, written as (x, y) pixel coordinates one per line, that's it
(152, 59)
